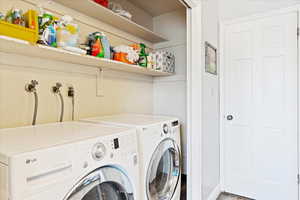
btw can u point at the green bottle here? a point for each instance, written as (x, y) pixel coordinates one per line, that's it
(143, 61)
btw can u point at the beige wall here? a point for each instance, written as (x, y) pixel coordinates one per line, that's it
(123, 92)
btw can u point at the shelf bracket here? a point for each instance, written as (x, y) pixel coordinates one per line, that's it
(99, 86)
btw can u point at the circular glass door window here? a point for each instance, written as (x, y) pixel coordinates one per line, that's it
(106, 183)
(164, 171)
(106, 191)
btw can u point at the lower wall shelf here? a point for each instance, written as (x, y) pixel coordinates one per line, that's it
(40, 51)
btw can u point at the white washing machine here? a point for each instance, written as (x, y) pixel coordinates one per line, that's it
(69, 161)
(159, 148)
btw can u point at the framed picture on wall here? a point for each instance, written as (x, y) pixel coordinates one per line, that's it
(211, 59)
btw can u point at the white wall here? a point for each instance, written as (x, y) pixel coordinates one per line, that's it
(169, 96)
(230, 9)
(215, 11)
(210, 98)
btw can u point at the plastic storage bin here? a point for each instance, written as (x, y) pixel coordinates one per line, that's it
(164, 61)
(29, 34)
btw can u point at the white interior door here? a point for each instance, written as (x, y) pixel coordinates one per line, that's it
(260, 105)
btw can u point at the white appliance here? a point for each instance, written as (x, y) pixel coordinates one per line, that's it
(159, 149)
(69, 161)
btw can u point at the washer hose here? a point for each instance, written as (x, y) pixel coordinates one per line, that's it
(73, 107)
(71, 94)
(36, 104)
(62, 107)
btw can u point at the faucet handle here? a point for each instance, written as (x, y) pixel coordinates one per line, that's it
(34, 82)
(58, 85)
(31, 87)
(56, 88)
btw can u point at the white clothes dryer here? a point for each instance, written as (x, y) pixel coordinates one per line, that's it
(159, 149)
(69, 161)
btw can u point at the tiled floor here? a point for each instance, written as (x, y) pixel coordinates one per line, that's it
(231, 197)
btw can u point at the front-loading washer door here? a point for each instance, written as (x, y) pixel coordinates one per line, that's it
(164, 171)
(105, 183)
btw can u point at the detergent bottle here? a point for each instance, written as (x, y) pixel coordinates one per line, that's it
(106, 46)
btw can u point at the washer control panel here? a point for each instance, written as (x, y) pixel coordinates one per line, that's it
(116, 143)
(108, 148)
(98, 151)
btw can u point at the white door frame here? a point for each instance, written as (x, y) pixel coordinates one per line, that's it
(222, 28)
(194, 64)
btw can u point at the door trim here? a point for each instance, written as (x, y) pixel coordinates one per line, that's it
(194, 102)
(222, 28)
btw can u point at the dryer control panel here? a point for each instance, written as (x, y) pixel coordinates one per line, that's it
(175, 123)
(170, 128)
(166, 128)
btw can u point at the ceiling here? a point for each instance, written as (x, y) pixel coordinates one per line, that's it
(157, 7)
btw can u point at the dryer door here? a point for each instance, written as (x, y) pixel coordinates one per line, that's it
(106, 183)
(164, 171)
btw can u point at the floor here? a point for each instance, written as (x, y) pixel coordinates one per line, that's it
(231, 197)
(223, 196)
(183, 187)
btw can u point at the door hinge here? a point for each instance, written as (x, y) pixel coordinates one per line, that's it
(298, 32)
(298, 179)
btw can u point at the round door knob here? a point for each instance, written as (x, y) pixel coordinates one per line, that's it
(229, 117)
(98, 151)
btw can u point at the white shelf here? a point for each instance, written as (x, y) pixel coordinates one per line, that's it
(44, 52)
(92, 9)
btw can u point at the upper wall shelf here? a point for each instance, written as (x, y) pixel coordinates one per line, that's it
(92, 9)
(50, 53)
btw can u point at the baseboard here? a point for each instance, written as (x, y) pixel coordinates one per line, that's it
(215, 193)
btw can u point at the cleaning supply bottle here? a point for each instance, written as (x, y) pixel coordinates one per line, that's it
(51, 40)
(99, 38)
(143, 61)
(96, 47)
(106, 46)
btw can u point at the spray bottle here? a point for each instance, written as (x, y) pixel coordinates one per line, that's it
(143, 61)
